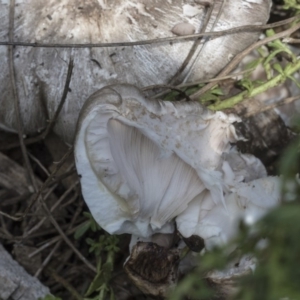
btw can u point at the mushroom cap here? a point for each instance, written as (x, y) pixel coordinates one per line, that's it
(246, 201)
(41, 72)
(145, 164)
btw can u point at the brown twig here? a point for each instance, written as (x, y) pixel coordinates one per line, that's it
(48, 181)
(51, 123)
(202, 81)
(57, 203)
(169, 87)
(291, 41)
(15, 200)
(42, 188)
(62, 176)
(66, 284)
(237, 59)
(39, 164)
(58, 239)
(62, 100)
(214, 34)
(44, 246)
(31, 183)
(271, 106)
(206, 39)
(67, 240)
(195, 83)
(73, 199)
(53, 241)
(192, 51)
(4, 228)
(47, 259)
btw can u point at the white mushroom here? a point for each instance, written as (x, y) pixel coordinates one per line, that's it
(146, 164)
(41, 72)
(216, 225)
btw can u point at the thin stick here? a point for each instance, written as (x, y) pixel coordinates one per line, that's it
(291, 41)
(46, 245)
(16, 99)
(169, 87)
(206, 39)
(65, 284)
(193, 48)
(195, 83)
(63, 176)
(233, 75)
(73, 199)
(25, 234)
(15, 200)
(38, 194)
(63, 98)
(4, 228)
(47, 259)
(51, 123)
(66, 239)
(47, 182)
(246, 28)
(53, 241)
(57, 203)
(38, 163)
(272, 106)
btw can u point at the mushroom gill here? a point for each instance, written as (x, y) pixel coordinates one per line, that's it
(159, 186)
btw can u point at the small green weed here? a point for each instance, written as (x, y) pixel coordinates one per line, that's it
(104, 249)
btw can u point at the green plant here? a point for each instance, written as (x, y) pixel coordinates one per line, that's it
(104, 249)
(50, 297)
(292, 5)
(89, 224)
(276, 74)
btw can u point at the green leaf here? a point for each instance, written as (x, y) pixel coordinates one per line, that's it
(82, 229)
(209, 96)
(217, 92)
(96, 284)
(246, 84)
(191, 90)
(278, 68)
(268, 70)
(294, 80)
(272, 55)
(50, 297)
(270, 32)
(292, 4)
(254, 64)
(87, 215)
(171, 96)
(90, 241)
(112, 295)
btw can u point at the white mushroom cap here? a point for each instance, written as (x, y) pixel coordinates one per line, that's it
(216, 225)
(145, 164)
(143, 161)
(41, 72)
